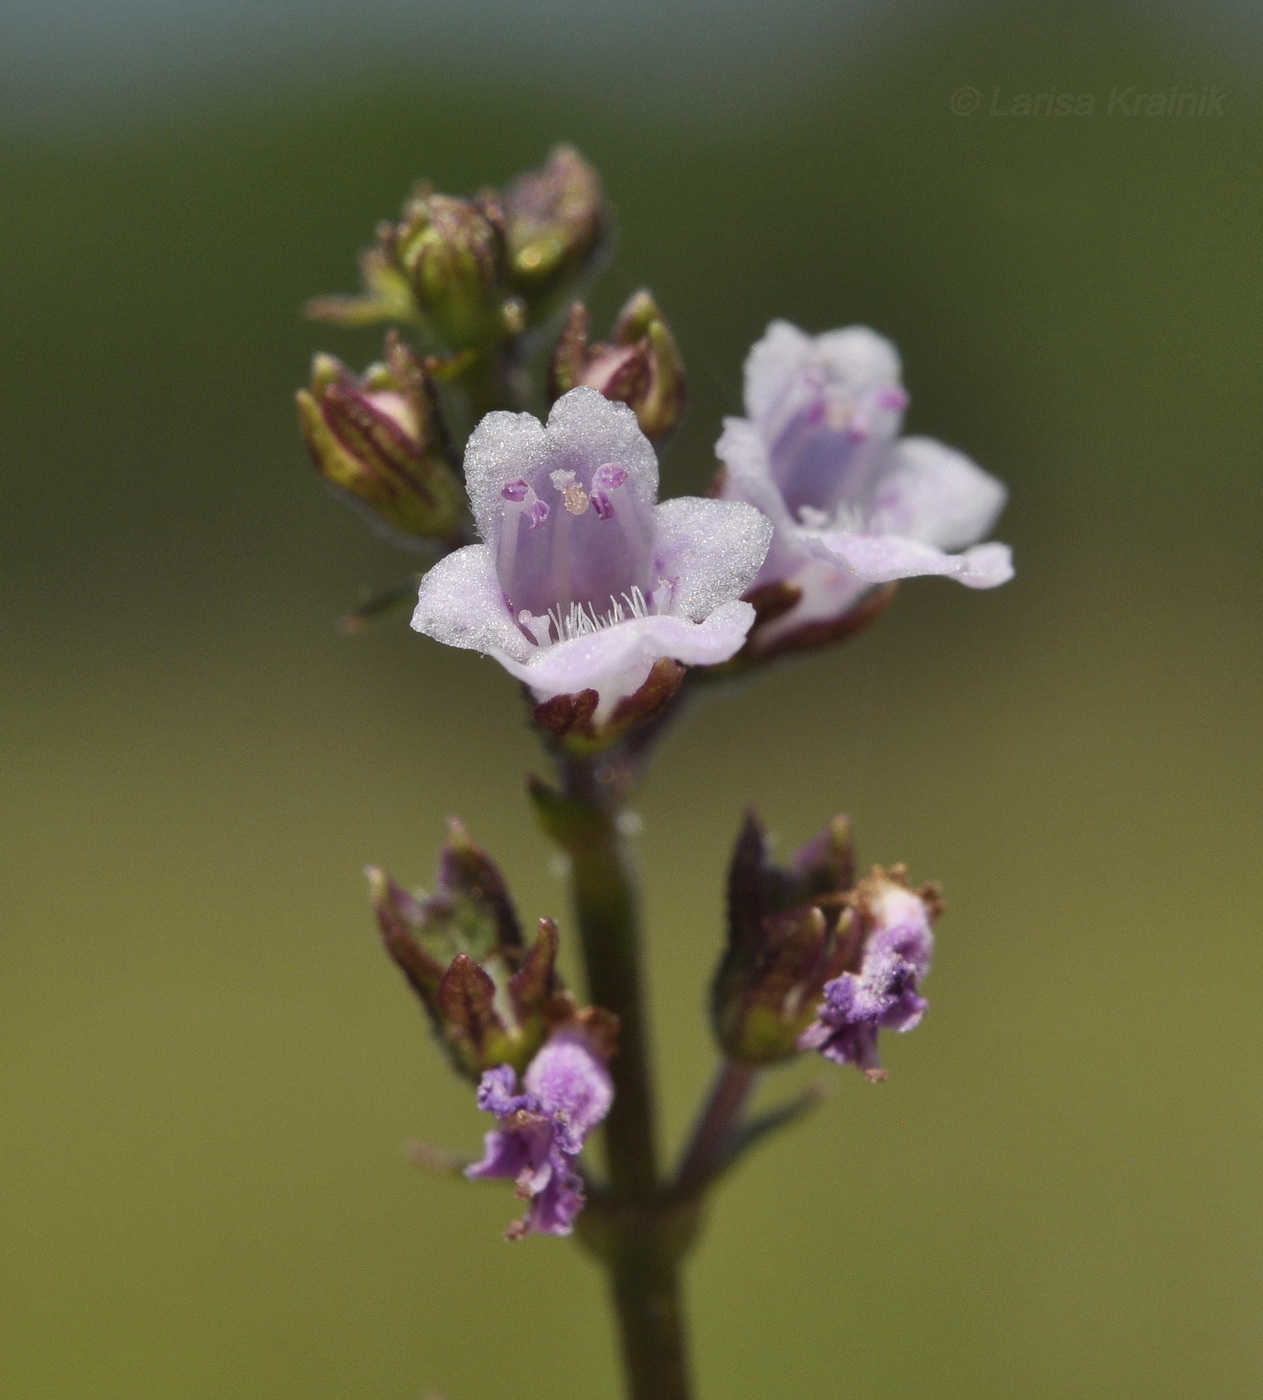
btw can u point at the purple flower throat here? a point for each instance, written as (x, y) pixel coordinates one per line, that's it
(579, 557)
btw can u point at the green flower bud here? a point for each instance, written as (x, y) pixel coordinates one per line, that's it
(379, 441)
(556, 223)
(453, 255)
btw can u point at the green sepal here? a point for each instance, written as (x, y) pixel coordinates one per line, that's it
(386, 296)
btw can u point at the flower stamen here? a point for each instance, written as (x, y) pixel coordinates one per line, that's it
(572, 493)
(520, 500)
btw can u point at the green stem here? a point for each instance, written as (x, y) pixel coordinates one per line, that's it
(646, 1292)
(492, 381)
(643, 1250)
(734, 1082)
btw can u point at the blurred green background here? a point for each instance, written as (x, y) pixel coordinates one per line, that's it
(208, 1070)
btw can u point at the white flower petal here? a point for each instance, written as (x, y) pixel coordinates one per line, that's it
(778, 369)
(710, 550)
(503, 446)
(858, 357)
(616, 661)
(748, 477)
(883, 558)
(584, 431)
(748, 472)
(986, 566)
(827, 593)
(935, 494)
(773, 366)
(460, 604)
(592, 429)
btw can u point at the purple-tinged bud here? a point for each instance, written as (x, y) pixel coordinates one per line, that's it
(490, 999)
(565, 1093)
(556, 223)
(620, 372)
(466, 872)
(452, 252)
(640, 366)
(380, 442)
(788, 931)
(889, 954)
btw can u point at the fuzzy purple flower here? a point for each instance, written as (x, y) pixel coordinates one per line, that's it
(566, 1092)
(853, 504)
(883, 993)
(582, 581)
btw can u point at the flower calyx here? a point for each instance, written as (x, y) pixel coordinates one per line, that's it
(570, 722)
(789, 932)
(556, 227)
(491, 999)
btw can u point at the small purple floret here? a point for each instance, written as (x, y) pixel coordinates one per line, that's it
(883, 994)
(566, 1092)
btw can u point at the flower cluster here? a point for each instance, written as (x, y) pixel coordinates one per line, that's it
(815, 961)
(555, 557)
(474, 273)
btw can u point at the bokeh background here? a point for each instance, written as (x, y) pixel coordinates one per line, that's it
(207, 1069)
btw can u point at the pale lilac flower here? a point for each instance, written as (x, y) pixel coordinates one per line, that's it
(883, 994)
(582, 581)
(853, 504)
(566, 1093)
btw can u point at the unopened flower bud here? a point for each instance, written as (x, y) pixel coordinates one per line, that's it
(452, 253)
(491, 1000)
(555, 224)
(379, 441)
(788, 933)
(640, 366)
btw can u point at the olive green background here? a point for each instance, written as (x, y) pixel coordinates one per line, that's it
(207, 1069)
